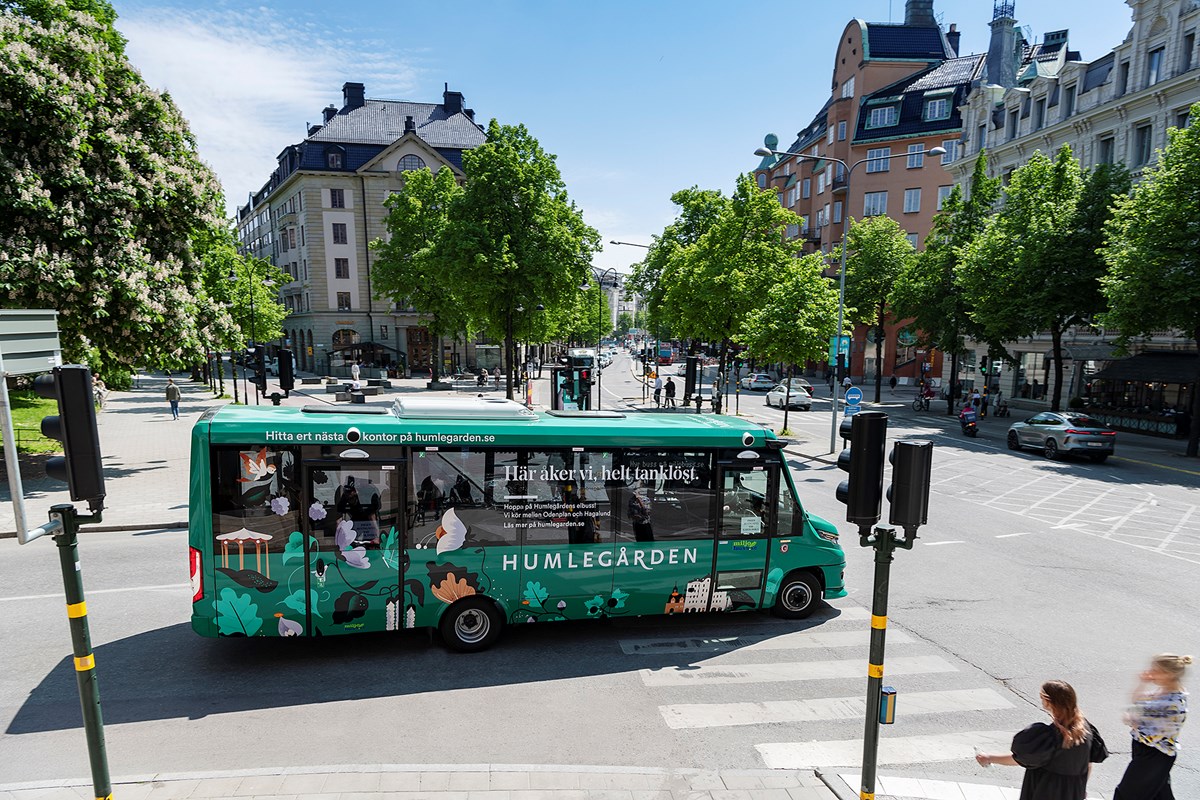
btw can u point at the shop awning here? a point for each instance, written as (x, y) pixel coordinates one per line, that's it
(1087, 352)
(1153, 367)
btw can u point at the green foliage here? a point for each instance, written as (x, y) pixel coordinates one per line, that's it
(624, 322)
(28, 410)
(798, 317)
(106, 211)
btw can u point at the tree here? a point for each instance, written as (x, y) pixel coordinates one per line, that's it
(624, 322)
(800, 313)
(1030, 270)
(877, 253)
(928, 291)
(106, 211)
(711, 286)
(410, 268)
(514, 237)
(1150, 247)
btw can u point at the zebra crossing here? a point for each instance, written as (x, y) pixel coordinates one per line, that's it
(794, 699)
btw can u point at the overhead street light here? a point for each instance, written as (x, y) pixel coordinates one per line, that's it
(629, 244)
(849, 168)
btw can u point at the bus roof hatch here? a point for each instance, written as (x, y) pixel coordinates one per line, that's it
(460, 408)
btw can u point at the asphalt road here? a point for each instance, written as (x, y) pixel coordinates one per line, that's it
(1028, 570)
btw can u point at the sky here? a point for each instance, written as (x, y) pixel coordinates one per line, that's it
(637, 99)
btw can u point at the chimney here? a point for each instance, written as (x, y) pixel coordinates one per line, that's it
(919, 13)
(952, 37)
(409, 125)
(328, 112)
(451, 101)
(313, 129)
(1002, 50)
(352, 96)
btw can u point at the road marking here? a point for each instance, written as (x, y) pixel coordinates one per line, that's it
(797, 640)
(1010, 535)
(717, 715)
(897, 750)
(935, 544)
(98, 591)
(894, 786)
(1177, 528)
(786, 671)
(1155, 464)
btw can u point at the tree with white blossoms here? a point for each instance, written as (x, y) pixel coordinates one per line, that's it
(107, 213)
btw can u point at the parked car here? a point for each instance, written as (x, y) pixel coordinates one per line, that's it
(759, 380)
(796, 397)
(272, 366)
(1067, 433)
(800, 383)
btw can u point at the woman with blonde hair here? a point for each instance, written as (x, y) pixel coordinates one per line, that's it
(1057, 757)
(1159, 709)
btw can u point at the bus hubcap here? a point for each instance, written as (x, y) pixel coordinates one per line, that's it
(472, 626)
(796, 597)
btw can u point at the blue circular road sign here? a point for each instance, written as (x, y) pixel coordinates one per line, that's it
(853, 396)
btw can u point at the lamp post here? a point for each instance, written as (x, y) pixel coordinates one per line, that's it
(849, 168)
(600, 275)
(643, 377)
(252, 276)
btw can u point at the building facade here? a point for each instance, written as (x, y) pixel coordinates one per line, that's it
(1114, 109)
(316, 215)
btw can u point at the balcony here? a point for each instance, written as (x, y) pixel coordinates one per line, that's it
(839, 185)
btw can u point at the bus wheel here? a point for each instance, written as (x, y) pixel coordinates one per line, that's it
(798, 596)
(471, 625)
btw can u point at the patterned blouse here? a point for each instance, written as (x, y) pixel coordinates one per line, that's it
(1158, 720)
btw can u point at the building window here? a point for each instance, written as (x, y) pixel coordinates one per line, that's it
(341, 268)
(829, 135)
(1107, 150)
(1189, 45)
(339, 233)
(762, 180)
(302, 236)
(1142, 141)
(951, 148)
(981, 136)
(333, 159)
(1154, 66)
(821, 182)
(937, 109)
(840, 171)
(291, 233)
(1039, 114)
(779, 197)
(874, 204)
(343, 300)
(943, 193)
(793, 230)
(842, 131)
(1183, 117)
(912, 201)
(883, 117)
(837, 211)
(916, 156)
(1069, 101)
(411, 162)
(806, 188)
(1014, 124)
(848, 87)
(337, 198)
(877, 159)
(1123, 78)
(913, 239)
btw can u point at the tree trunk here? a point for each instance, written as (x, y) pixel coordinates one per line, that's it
(879, 356)
(508, 346)
(953, 380)
(233, 374)
(1056, 350)
(787, 398)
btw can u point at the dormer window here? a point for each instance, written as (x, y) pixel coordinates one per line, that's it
(335, 158)
(937, 108)
(883, 117)
(410, 162)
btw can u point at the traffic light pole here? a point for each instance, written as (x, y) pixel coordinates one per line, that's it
(67, 521)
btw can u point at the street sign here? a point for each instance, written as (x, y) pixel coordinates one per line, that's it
(850, 411)
(853, 396)
(842, 343)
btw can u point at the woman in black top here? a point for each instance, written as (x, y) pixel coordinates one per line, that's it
(1057, 757)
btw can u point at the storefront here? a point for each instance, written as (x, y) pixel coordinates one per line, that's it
(1148, 393)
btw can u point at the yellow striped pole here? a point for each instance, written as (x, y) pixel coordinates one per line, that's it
(884, 545)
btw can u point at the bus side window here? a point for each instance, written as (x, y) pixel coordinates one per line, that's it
(255, 497)
(785, 509)
(447, 484)
(561, 498)
(663, 495)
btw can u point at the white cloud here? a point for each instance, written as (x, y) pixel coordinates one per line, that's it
(247, 83)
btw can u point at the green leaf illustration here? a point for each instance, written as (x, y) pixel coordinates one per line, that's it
(595, 606)
(389, 549)
(536, 594)
(237, 615)
(295, 601)
(294, 547)
(620, 597)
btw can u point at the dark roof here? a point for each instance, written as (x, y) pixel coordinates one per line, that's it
(952, 77)
(1098, 72)
(382, 122)
(906, 42)
(1167, 367)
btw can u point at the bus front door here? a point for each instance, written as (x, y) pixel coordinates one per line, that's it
(354, 550)
(743, 535)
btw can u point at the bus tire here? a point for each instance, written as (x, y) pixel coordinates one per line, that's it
(798, 596)
(470, 625)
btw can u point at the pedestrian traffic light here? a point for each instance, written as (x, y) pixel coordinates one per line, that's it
(863, 459)
(912, 462)
(287, 377)
(75, 427)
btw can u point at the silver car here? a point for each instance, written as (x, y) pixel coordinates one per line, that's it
(797, 398)
(1065, 433)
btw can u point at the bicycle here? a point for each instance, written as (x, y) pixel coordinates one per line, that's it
(920, 403)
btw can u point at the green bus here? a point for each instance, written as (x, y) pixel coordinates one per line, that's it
(466, 514)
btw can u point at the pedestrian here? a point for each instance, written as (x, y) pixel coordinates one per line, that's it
(975, 399)
(1037, 390)
(355, 370)
(995, 398)
(173, 397)
(496, 375)
(1058, 756)
(658, 387)
(846, 382)
(892, 383)
(983, 403)
(1159, 709)
(670, 390)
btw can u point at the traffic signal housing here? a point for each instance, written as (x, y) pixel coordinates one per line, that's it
(260, 367)
(75, 426)
(287, 370)
(862, 492)
(912, 464)
(983, 364)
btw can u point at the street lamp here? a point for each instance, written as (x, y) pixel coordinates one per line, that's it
(600, 275)
(250, 273)
(849, 169)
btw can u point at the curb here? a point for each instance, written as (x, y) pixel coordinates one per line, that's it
(137, 526)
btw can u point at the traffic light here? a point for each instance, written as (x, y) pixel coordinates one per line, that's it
(912, 462)
(863, 459)
(287, 377)
(983, 364)
(260, 367)
(75, 427)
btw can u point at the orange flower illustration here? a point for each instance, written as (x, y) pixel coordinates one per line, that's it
(452, 588)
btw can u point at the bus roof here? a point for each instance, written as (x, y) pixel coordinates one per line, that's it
(452, 422)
